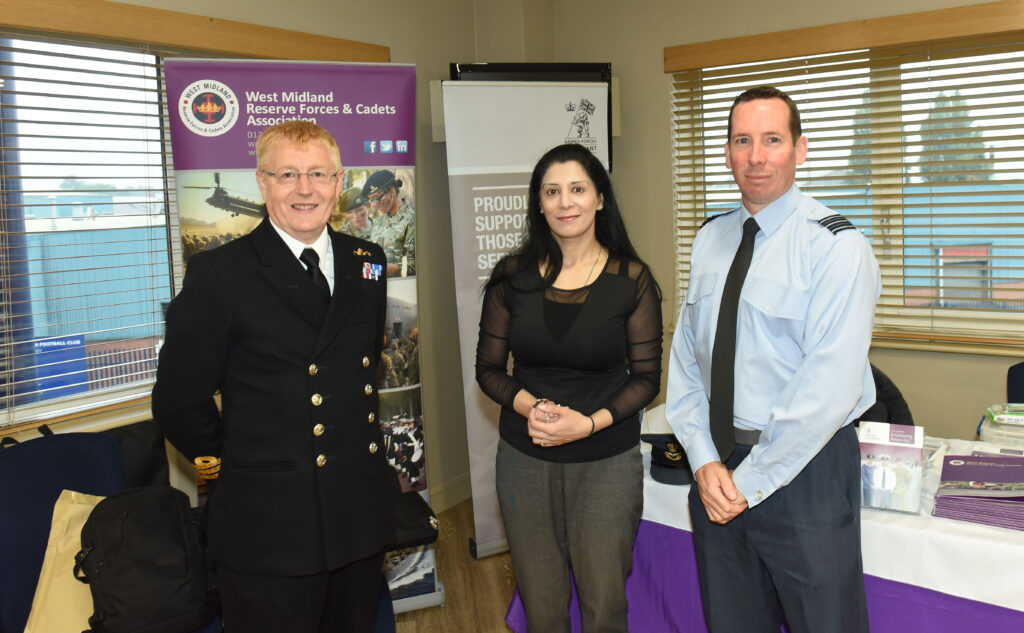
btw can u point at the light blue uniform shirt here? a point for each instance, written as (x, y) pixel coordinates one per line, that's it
(803, 333)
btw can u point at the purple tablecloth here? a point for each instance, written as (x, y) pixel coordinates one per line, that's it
(664, 596)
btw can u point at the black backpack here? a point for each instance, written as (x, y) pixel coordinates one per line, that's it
(142, 558)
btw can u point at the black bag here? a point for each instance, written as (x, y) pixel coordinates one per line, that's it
(415, 523)
(142, 559)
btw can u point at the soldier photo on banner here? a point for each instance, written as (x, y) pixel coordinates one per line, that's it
(410, 572)
(400, 359)
(377, 205)
(215, 207)
(402, 421)
(352, 215)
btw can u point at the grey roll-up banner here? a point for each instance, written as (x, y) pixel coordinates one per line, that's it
(495, 133)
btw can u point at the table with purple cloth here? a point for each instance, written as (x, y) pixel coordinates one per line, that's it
(922, 573)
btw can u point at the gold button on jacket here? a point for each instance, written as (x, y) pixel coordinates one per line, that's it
(373, 448)
(317, 399)
(370, 418)
(313, 369)
(321, 459)
(368, 388)
(366, 361)
(318, 430)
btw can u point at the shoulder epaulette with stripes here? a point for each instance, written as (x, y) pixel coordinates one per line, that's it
(836, 223)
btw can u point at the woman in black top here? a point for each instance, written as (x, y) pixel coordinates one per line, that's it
(581, 315)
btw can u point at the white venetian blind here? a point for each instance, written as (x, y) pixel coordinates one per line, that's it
(920, 147)
(85, 236)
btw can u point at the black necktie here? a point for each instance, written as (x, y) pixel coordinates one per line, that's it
(312, 262)
(723, 356)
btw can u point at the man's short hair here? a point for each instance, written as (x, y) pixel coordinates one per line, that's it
(298, 132)
(769, 92)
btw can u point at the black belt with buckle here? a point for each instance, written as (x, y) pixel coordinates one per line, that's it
(746, 437)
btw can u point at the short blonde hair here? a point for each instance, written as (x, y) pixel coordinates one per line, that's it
(298, 132)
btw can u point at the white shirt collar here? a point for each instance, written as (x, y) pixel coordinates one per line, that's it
(322, 246)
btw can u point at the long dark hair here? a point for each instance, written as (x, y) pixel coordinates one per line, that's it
(539, 246)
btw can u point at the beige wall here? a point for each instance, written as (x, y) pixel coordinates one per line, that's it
(947, 392)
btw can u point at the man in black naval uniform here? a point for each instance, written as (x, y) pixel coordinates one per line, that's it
(288, 323)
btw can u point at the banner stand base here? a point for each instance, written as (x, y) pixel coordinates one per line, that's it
(499, 546)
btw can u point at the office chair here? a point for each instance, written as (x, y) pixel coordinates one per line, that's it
(34, 473)
(1015, 383)
(889, 406)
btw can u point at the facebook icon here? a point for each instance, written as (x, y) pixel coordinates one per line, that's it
(369, 147)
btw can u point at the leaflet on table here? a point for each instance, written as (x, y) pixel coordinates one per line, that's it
(982, 476)
(1008, 413)
(988, 511)
(890, 466)
(1011, 452)
(972, 517)
(989, 506)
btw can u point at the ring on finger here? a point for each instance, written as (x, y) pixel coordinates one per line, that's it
(543, 443)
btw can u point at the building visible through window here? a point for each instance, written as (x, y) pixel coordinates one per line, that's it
(85, 251)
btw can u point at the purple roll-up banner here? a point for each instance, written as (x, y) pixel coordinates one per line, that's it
(217, 110)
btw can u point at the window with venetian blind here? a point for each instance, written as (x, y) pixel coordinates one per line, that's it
(85, 229)
(920, 146)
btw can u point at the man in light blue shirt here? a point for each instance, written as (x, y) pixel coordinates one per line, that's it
(776, 520)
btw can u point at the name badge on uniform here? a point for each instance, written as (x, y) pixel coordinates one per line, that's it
(372, 271)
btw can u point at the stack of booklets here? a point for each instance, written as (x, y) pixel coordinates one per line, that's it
(982, 488)
(890, 465)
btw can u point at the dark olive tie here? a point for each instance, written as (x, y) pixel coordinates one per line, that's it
(312, 262)
(723, 356)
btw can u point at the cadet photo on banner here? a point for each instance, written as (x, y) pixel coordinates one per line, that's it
(394, 221)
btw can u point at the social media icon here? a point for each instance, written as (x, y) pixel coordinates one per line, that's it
(386, 147)
(369, 147)
(402, 147)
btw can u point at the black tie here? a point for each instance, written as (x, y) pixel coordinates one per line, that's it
(723, 356)
(312, 262)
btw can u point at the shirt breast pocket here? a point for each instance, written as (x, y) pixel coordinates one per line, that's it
(781, 308)
(699, 297)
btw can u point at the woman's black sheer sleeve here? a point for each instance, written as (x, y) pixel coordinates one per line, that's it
(492, 349)
(643, 339)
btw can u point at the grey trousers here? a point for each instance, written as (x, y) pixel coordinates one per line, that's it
(580, 516)
(794, 557)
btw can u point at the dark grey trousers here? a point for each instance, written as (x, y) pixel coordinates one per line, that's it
(582, 516)
(796, 555)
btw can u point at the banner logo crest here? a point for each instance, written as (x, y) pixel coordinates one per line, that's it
(208, 107)
(579, 125)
